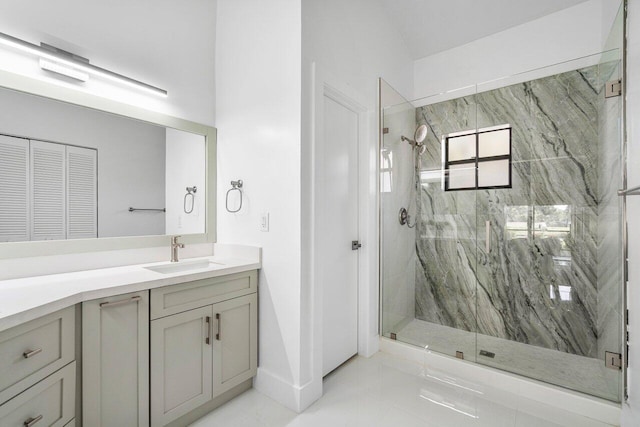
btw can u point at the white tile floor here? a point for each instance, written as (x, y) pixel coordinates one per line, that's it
(385, 391)
(579, 373)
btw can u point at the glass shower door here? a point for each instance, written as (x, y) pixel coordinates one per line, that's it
(397, 247)
(549, 276)
(428, 285)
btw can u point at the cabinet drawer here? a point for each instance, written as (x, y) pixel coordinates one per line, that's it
(187, 296)
(51, 402)
(34, 350)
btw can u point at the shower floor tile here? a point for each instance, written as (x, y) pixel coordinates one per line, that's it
(386, 391)
(575, 372)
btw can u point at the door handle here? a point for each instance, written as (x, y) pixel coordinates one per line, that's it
(31, 421)
(120, 302)
(207, 339)
(355, 245)
(31, 353)
(218, 318)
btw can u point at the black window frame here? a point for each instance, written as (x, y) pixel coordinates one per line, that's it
(476, 160)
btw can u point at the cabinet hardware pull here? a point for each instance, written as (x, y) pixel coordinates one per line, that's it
(32, 421)
(219, 321)
(119, 302)
(29, 353)
(207, 320)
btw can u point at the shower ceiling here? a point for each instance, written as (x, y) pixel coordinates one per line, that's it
(426, 25)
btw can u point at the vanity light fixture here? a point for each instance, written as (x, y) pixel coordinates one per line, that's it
(66, 63)
(55, 67)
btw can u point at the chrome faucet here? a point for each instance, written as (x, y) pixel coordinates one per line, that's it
(174, 248)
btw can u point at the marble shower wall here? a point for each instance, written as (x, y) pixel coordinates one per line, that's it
(398, 242)
(551, 233)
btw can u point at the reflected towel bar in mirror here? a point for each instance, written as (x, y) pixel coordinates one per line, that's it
(141, 209)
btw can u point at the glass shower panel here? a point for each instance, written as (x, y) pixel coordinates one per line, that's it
(445, 233)
(501, 231)
(549, 282)
(397, 190)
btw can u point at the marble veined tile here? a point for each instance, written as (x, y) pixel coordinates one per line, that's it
(550, 277)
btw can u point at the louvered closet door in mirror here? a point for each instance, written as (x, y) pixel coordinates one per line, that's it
(48, 191)
(14, 189)
(81, 193)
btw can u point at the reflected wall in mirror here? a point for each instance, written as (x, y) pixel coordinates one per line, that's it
(70, 172)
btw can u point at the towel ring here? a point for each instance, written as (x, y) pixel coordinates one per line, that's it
(235, 186)
(191, 191)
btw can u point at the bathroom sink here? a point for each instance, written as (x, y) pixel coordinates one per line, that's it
(179, 267)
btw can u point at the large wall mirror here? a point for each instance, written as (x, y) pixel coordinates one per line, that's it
(78, 173)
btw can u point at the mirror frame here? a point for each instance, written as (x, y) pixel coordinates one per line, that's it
(9, 250)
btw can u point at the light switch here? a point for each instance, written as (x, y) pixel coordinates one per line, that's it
(264, 221)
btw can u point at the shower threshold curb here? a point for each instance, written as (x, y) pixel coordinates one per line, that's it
(579, 403)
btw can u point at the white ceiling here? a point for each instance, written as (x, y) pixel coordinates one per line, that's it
(166, 43)
(432, 26)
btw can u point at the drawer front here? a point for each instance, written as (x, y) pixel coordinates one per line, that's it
(49, 403)
(187, 296)
(34, 350)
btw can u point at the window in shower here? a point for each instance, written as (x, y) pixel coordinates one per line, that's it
(477, 159)
(386, 165)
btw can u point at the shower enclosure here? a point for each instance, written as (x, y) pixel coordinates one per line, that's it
(510, 252)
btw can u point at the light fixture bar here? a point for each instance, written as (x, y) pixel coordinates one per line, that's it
(24, 46)
(65, 70)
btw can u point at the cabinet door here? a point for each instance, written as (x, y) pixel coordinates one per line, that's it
(115, 367)
(181, 364)
(235, 342)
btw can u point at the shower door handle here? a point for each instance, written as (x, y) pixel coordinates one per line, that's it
(355, 245)
(629, 191)
(487, 243)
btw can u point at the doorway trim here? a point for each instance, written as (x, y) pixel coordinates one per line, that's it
(322, 84)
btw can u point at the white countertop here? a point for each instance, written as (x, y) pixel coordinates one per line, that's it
(28, 298)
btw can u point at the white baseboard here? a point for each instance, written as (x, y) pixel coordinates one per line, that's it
(296, 398)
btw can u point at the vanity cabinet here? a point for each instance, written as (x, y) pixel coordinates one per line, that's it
(159, 357)
(201, 354)
(182, 364)
(115, 357)
(38, 371)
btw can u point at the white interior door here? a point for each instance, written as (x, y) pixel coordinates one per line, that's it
(339, 225)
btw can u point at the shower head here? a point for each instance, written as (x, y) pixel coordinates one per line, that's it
(419, 135)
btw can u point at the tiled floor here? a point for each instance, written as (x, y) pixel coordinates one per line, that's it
(384, 391)
(575, 372)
